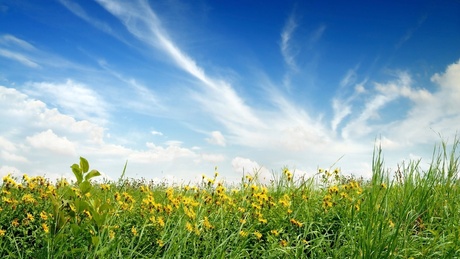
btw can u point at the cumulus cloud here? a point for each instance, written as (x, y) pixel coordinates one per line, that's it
(75, 98)
(247, 166)
(48, 140)
(217, 139)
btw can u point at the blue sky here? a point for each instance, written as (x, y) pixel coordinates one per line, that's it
(178, 87)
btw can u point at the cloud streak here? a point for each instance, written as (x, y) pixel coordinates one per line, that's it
(285, 46)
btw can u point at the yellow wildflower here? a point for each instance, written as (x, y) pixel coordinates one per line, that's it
(43, 215)
(134, 231)
(391, 223)
(207, 224)
(258, 234)
(2, 232)
(189, 226)
(161, 222)
(283, 243)
(160, 243)
(296, 223)
(243, 233)
(30, 217)
(274, 232)
(45, 228)
(15, 222)
(111, 234)
(263, 221)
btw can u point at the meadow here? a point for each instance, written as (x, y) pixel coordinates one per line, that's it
(407, 213)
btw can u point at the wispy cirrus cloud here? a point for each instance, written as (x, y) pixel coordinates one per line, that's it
(76, 9)
(8, 39)
(21, 58)
(216, 96)
(286, 42)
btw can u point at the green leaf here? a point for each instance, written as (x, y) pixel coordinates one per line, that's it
(81, 205)
(92, 174)
(75, 229)
(84, 165)
(85, 187)
(77, 172)
(95, 240)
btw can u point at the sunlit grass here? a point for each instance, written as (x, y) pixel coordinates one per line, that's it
(409, 213)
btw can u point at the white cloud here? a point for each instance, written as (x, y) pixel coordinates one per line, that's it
(212, 158)
(216, 96)
(248, 167)
(21, 58)
(156, 153)
(48, 140)
(74, 98)
(286, 49)
(349, 78)
(156, 133)
(10, 170)
(9, 40)
(341, 110)
(217, 139)
(7, 156)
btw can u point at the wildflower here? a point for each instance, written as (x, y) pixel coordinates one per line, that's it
(391, 223)
(288, 174)
(25, 178)
(258, 234)
(15, 222)
(43, 215)
(160, 243)
(243, 233)
(263, 221)
(28, 198)
(283, 243)
(45, 228)
(105, 187)
(134, 231)
(161, 222)
(296, 223)
(88, 214)
(327, 204)
(189, 226)
(207, 224)
(2, 232)
(30, 217)
(111, 234)
(274, 232)
(333, 189)
(383, 186)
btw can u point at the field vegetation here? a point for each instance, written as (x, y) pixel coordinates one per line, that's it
(407, 213)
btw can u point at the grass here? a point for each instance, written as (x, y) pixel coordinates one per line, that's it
(409, 213)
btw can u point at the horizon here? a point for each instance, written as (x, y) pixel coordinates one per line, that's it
(177, 89)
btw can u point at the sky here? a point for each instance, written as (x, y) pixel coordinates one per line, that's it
(176, 88)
